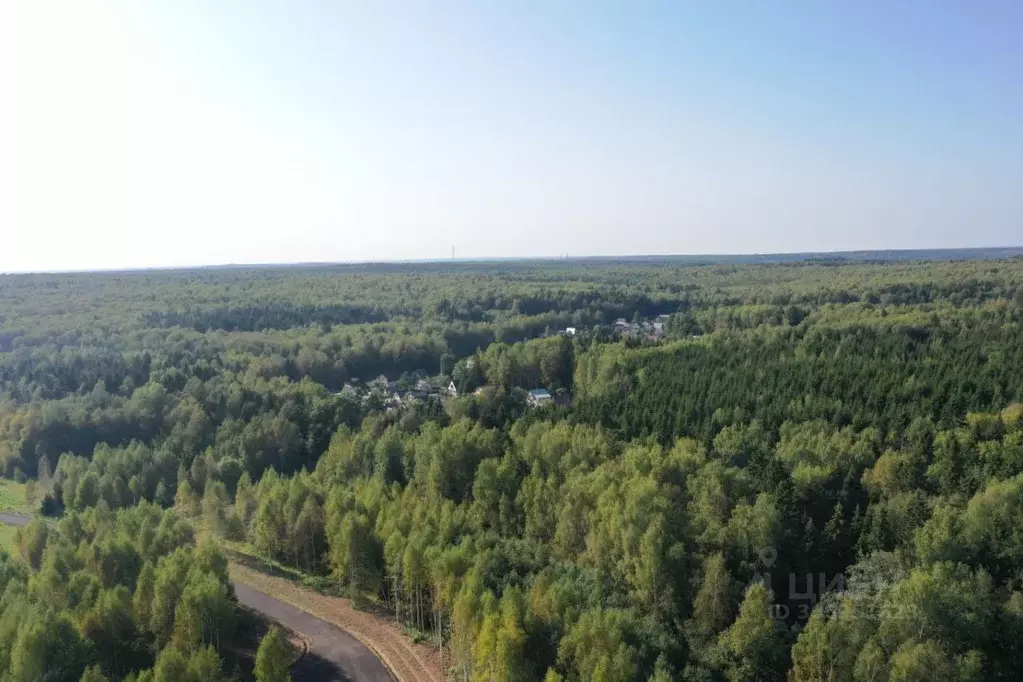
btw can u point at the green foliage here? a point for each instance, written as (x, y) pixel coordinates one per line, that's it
(69, 611)
(94, 674)
(714, 603)
(31, 541)
(49, 648)
(273, 658)
(171, 666)
(798, 426)
(596, 647)
(754, 645)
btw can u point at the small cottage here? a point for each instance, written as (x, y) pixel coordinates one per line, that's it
(539, 396)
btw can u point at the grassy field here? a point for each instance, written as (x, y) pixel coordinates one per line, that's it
(13, 498)
(7, 537)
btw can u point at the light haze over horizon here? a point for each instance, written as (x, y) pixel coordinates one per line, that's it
(147, 134)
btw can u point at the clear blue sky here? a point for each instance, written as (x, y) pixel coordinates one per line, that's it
(191, 132)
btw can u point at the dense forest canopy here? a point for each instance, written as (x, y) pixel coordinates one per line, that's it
(804, 470)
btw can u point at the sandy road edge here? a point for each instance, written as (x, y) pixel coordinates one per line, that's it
(237, 574)
(304, 650)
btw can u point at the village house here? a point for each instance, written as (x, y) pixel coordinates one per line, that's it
(539, 396)
(413, 397)
(349, 391)
(383, 384)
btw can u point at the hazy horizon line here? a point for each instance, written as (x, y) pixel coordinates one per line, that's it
(692, 258)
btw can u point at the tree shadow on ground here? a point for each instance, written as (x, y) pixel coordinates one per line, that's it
(314, 668)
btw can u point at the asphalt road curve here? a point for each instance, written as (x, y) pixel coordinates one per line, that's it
(334, 655)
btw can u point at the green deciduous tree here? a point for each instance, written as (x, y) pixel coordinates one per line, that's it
(49, 648)
(714, 604)
(273, 659)
(755, 642)
(171, 666)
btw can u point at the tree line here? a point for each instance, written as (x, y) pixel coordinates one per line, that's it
(124, 595)
(815, 477)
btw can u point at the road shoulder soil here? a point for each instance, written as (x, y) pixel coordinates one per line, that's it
(407, 662)
(349, 658)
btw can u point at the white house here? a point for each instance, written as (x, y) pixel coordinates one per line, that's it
(452, 390)
(539, 396)
(570, 331)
